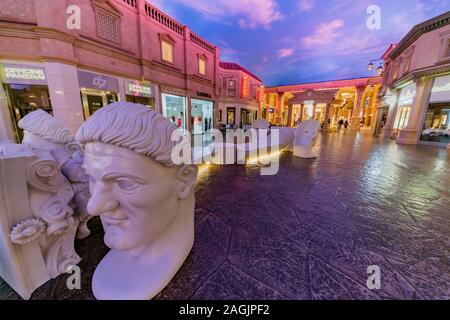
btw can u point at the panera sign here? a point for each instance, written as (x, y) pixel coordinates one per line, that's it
(137, 88)
(23, 74)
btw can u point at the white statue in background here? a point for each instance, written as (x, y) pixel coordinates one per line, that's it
(43, 194)
(145, 202)
(305, 139)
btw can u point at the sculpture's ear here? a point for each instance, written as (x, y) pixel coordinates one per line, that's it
(186, 175)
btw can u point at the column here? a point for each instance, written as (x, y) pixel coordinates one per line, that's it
(301, 111)
(354, 121)
(64, 92)
(392, 114)
(279, 109)
(326, 117)
(410, 134)
(289, 122)
(6, 128)
(314, 111)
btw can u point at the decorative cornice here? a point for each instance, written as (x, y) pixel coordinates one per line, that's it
(427, 72)
(107, 49)
(159, 66)
(17, 30)
(417, 31)
(199, 79)
(54, 34)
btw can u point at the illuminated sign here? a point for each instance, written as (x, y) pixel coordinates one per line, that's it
(244, 87)
(23, 74)
(259, 94)
(97, 81)
(137, 88)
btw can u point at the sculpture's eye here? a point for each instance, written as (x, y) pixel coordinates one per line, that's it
(127, 184)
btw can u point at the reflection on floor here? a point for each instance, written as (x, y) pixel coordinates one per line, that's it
(311, 231)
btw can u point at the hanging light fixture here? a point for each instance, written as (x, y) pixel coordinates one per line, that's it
(370, 66)
(380, 70)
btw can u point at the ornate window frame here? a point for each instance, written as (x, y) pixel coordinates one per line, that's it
(105, 7)
(165, 37)
(444, 54)
(201, 56)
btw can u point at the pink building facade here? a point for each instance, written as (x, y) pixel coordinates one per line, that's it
(415, 95)
(241, 94)
(118, 50)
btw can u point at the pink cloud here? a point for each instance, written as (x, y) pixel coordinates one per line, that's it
(305, 5)
(324, 33)
(284, 53)
(251, 14)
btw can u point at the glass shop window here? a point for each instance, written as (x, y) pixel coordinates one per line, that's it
(25, 99)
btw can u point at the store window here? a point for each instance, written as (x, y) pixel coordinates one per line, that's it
(167, 51)
(174, 108)
(247, 118)
(436, 127)
(25, 99)
(405, 101)
(202, 66)
(202, 118)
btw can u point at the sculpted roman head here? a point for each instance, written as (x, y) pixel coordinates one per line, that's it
(43, 131)
(135, 188)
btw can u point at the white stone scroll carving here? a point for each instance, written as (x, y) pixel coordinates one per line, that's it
(43, 198)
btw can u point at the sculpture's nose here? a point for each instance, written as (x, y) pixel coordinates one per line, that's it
(102, 200)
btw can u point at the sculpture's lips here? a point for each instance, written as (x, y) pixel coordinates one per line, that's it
(112, 220)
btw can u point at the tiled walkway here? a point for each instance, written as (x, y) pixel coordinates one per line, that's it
(311, 231)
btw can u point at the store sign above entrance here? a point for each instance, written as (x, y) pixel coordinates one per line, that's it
(204, 94)
(23, 74)
(137, 88)
(96, 81)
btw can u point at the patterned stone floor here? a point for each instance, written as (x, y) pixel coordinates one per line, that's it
(311, 231)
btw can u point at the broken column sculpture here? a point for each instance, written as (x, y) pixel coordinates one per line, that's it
(43, 190)
(145, 202)
(305, 139)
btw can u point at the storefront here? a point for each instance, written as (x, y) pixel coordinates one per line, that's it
(174, 108)
(140, 92)
(247, 117)
(436, 125)
(96, 91)
(202, 118)
(404, 104)
(231, 117)
(26, 91)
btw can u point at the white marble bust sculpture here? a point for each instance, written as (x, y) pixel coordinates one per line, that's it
(145, 202)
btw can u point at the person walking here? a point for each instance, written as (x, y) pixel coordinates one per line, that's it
(340, 123)
(345, 125)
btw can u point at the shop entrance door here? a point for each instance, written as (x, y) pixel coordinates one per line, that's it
(94, 103)
(231, 117)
